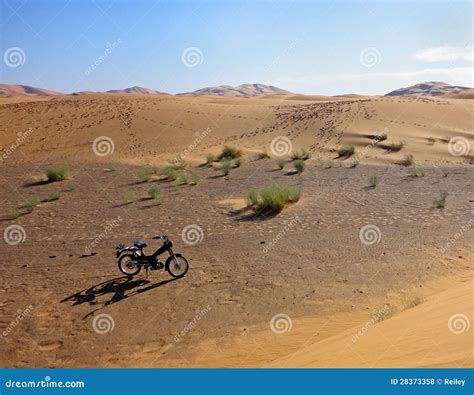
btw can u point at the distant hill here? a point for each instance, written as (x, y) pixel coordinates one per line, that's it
(431, 88)
(139, 90)
(7, 90)
(245, 90)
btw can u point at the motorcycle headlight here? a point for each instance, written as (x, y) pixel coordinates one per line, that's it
(170, 243)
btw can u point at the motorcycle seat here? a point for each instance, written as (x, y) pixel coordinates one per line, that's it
(140, 244)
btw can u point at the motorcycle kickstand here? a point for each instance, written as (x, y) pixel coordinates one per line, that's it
(147, 270)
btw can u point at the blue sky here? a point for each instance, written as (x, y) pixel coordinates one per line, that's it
(317, 47)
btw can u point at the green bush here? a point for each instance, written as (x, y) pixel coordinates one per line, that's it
(55, 195)
(210, 159)
(183, 178)
(145, 174)
(193, 179)
(440, 201)
(299, 165)
(252, 197)
(31, 203)
(395, 147)
(280, 163)
(300, 155)
(226, 166)
(414, 173)
(57, 173)
(373, 181)
(171, 173)
(13, 213)
(229, 153)
(154, 192)
(346, 150)
(130, 197)
(408, 161)
(273, 198)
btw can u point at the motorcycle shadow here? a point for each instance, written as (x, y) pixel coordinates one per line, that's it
(113, 291)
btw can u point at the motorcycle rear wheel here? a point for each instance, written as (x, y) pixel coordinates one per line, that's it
(128, 266)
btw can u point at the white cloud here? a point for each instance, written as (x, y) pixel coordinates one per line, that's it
(446, 53)
(374, 83)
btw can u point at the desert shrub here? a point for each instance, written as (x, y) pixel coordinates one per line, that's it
(130, 197)
(252, 197)
(57, 173)
(373, 181)
(299, 165)
(229, 153)
(413, 302)
(300, 155)
(440, 201)
(273, 198)
(395, 147)
(193, 179)
(171, 173)
(414, 173)
(409, 160)
(280, 163)
(111, 169)
(238, 162)
(210, 159)
(346, 150)
(31, 203)
(145, 174)
(354, 163)
(13, 213)
(226, 166)
(381, 137)
(55, 195)
(154, 192)
(183, 178)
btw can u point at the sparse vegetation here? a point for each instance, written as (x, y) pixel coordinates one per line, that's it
(111, 169)
(381, 137)
(252, 197)
(373, 181)
(409, 160)
(130, 197)
(440, 201)
(31, 203)
(413, 302)
(280, 163)
(55, 195)
(183, 178)
(193, 179)
(13, 213)
(300, 155)
(226, 166)
(299, 165)
(171, 173)
(346, 151)
(210, 159)
(354, 163)
(145, 174)
(395, 147)
(238, 162)
(154, 192)
(229, 153)
(414, 173)
(57, 173)
(273, 198)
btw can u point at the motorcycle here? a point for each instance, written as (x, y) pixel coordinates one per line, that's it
(132, 259)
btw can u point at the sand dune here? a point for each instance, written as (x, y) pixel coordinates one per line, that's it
(431, 88)
(244, 90)
(7, 90)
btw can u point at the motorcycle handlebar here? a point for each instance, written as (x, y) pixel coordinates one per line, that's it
(160, 237)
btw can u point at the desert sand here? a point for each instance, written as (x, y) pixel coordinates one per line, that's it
(245, 270)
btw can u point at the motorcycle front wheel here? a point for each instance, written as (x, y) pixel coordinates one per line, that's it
(128, 266)
(177, 265)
